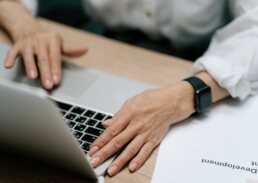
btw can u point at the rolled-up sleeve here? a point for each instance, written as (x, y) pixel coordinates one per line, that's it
(32, 5)
(232, 58)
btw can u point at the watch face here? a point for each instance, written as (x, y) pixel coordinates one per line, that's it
(203, 98)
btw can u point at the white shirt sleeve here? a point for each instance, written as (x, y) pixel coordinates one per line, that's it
(32, 5)
(232, 58)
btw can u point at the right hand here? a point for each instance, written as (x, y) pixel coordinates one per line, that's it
(41, 52)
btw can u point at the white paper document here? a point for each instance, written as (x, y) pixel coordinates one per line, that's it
(219, 147)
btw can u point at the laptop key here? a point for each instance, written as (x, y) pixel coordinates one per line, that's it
(70, 116)
(80, 127)
(91, 122)
(78, 110)
(77, 134)
(108, 117)
(63, 112)
(63, 106)
(94, 131)
(89, 138)
(86, 146)
(79, 141)
(80, 119)
(89, 113)
(71, 124)
(100, 116)
(99, 125)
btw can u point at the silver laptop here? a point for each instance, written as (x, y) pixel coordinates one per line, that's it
(59, 127)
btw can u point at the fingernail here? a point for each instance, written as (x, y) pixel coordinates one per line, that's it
(48, 84)
(32, 74)
(94, 150)
(105, 123)
(56, 78)
(7, 65)
(133, 166)
(112, 170)
(95, 161)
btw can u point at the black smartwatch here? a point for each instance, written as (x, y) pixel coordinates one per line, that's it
(203, 96)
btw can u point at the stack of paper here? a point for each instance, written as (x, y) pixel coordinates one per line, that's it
(220, 147)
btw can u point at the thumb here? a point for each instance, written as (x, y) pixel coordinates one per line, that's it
(74, 51)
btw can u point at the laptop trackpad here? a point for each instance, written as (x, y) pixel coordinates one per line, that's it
(76, 81)
(96, 89)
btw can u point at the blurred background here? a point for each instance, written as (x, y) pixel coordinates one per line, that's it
(70, 12)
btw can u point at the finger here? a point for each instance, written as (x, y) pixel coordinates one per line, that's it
(74, 51)
(142, 156)
(119, 123)
(107, 123)
(113, 146)
(44, 65)
(55, 60)
(131, 150)
(29, 61)
(12, 54)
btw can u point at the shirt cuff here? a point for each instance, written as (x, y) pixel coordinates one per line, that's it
(231, 78)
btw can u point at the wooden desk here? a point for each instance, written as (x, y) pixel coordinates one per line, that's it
(117, 58)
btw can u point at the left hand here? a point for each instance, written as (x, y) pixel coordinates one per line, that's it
(141, 124)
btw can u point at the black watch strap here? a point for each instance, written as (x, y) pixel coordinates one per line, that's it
(202, 96)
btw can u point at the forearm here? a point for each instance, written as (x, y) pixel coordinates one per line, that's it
(16, 19)
(184, 93)
(218, 92)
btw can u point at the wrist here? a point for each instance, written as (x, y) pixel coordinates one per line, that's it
(218, 92)
(187, 98)
(184, 94)
(15, 18)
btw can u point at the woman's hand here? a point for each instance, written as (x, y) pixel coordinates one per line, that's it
(141, 124)
(41, 52)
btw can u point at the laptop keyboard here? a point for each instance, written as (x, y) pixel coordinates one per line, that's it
(85, 124)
